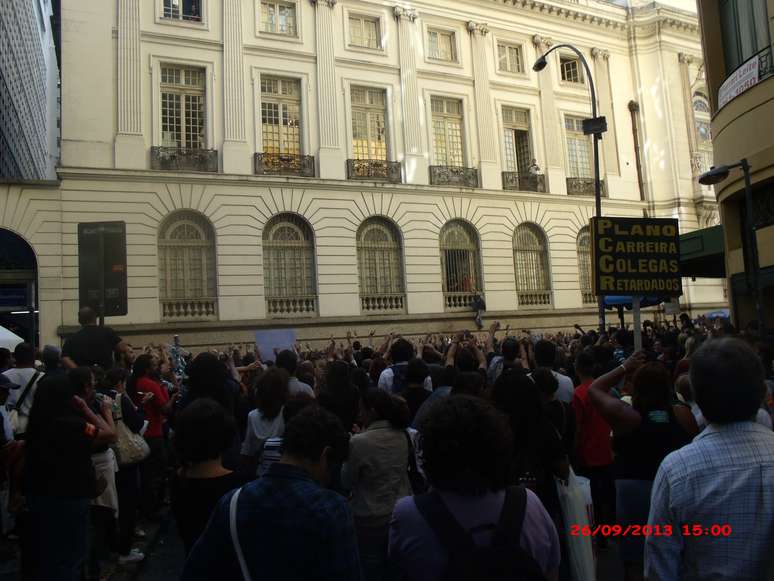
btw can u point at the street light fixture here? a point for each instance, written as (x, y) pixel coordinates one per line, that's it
(595, 126)
(715, 175)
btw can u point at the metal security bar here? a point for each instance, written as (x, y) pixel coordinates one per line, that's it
(584, 266)
(530, 256)
(460, 265)
(380, 266)
(289, 268)
(187, 278)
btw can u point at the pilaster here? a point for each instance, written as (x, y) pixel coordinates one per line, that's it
(331, 156)
(236, 153)
(554, 161)
(415, 161)
(129, 147)
(487, 139)
(605, 98)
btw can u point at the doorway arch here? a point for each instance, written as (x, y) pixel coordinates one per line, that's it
(18, 286)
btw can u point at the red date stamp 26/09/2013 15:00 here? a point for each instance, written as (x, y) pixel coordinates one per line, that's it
(686, 530)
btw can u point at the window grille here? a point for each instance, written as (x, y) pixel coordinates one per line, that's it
(364, 31)
(183, 114)
(460, 264)
(530, 255)
(509, 58)
(289, 266)
(584, 266)
(441, 45)
(369, 134)
(278, 17)
(447, 131)
(578, 148)
(187, 278)
(380, 265)
(518, 148)
(571, 69)
(281, 115)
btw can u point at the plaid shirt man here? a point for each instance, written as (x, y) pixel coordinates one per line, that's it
(726, 476)
(289, 529)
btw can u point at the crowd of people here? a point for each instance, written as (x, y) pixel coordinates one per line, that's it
(417, 458)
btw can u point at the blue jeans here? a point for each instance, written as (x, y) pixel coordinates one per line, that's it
(56, 532)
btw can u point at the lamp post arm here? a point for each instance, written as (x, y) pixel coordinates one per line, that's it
(586, 68)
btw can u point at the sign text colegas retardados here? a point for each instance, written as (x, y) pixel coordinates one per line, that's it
(636, 256)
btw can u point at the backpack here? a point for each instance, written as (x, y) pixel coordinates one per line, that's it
(502, 560)
(399, 378)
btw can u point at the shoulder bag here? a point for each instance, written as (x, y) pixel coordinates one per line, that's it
(130, 448)
(15, 417)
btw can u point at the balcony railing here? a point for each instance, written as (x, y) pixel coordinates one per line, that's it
(459, 301)
(180, 159)
(374, 169)
(534, 298)
(584, 187)
(282, 164)
(189, 309)
(449, 175)
(589, 298)
(512, 180)
(387, 303)
(291, 306)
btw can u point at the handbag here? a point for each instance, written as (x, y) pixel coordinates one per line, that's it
(573, 502)
(130, 448)
(18, 420)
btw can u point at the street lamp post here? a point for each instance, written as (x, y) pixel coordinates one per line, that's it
(715, 175)
(595, 126)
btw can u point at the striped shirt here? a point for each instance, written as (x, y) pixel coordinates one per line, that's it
(725, 477)
(271, 453)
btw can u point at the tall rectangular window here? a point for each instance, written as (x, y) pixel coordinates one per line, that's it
(578, 148)
(441, 45)
(518, 149)
(570, 67)
(369, 133)
(278, 17)
(447, 131)
(190, 10)
(281, 115)
(509, 58)
(364, 31)
(183, 113)
(744, 26)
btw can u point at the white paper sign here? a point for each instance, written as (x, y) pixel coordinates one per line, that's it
(740, 80)
(271, 339)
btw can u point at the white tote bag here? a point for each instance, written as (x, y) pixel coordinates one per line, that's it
(573, 500)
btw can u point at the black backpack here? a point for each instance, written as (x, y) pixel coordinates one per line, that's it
(503, 560)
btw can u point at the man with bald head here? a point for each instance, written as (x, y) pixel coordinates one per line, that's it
(93, 345)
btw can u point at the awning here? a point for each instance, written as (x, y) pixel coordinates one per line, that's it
(702, 253)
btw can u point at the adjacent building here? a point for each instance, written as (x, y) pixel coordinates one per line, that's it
(328, 164)
(740, 81)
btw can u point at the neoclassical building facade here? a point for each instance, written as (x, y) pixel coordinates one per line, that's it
(357, 163)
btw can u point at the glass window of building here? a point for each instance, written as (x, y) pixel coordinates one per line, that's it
(364, 31)
(441, 45)
(518, 148)
(447, 131)
(570, 67)
(380, 266)
(460, 264)
(278, 17)
(369, 135)
(579, 155)
(583, 243)
(530, 256)
(190, 10)
(281, 115)
(744, 25)
(289, 266)
(509, 58)
(183, 111)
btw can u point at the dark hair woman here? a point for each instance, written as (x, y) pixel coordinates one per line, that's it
(558, 412)
(339, 395)
(203, 431)
(643, 434)
(377, 475)
(59, 478)
(266, 420)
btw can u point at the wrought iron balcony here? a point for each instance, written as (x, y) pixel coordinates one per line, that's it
(449, 175)
(382, 303)
(512, 180)
(374, 169)
(189, 309)
(534, 298)
(282, 164)
(459, 301)
(584, 187)
(180, 159)
(589, 298)
(291, 306)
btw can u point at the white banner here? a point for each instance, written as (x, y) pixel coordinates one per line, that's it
(740, 80)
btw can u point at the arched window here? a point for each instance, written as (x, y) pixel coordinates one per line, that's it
(379, 260)
(530, 257)
(460, 265)
(288, 266)
(187, 280)
(701, 103)
(584, 266)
